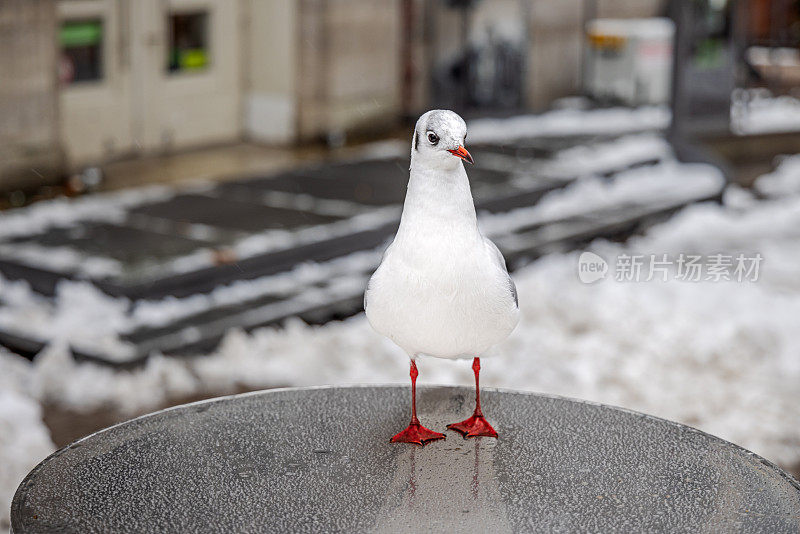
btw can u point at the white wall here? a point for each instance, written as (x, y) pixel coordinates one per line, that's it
(270, 109)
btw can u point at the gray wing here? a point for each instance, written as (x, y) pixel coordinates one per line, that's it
(501, 263)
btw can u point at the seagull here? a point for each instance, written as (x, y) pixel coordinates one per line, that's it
(442, 288)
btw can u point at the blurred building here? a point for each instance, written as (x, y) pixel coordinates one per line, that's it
(88, 81)
(29, 142)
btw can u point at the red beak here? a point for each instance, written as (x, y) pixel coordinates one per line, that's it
(462, 153)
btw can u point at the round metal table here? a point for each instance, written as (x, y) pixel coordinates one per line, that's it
(319, 459)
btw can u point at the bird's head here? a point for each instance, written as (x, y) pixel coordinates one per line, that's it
(439, 140)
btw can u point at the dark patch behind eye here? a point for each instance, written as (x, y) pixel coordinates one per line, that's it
(416, 140)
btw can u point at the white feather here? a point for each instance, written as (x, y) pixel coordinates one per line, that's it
(442, 288)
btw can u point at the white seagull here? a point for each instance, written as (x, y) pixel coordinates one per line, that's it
(442, 288)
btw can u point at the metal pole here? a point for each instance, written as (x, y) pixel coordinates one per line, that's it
(464, 93)
(589, 12)
(406, 57)
(680, 53)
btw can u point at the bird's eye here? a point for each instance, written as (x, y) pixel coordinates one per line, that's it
(433, 138)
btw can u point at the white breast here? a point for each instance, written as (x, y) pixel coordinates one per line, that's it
(442, 289)
(445, 297)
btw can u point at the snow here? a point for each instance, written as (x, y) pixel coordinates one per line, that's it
(568, 122)
(599, 158)
(753, 111)
(92, 321)
(718, 356)
(24, 439)
(758, 112)
(667, 181)
(278, 239)
(113, 208)
(64, 212)
(778, 56)
(89, 320)
(785, 180)
(62, 260)
(67, 260)
(153, 313)
(79, 313)
(92, 386)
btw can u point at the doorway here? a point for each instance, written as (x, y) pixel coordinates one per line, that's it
(147, 76)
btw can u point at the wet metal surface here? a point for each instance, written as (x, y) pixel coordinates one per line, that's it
(320, 460)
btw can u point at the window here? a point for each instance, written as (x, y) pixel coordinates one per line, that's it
(81, 51)
(188, 42)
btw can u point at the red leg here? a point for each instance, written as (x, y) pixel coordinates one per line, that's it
(476, 425)
(416, 433)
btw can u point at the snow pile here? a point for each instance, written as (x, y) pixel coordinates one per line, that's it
(80, 314)
(24, 440)
(59, 379)
(160, 312)
(668, 181)
(758, 112)
(568, 122)
(785, 180)
(92, 321)
(608, 157)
